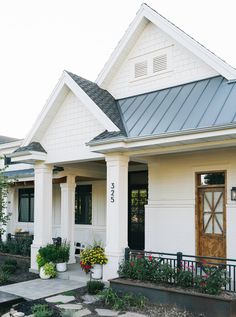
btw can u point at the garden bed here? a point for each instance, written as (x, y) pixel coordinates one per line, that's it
(208, 305)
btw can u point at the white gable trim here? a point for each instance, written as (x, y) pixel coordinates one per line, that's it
(66, 80)
(146, 13)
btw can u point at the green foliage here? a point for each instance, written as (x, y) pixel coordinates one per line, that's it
(4, 188)
(9, 268)
(94, 287)
(146, 269)
(119, 301)
(17, 246)
(48, 253)
(212, 282)
(50, 269)
(41, 310)
(153, 270)
(10, 262)
(62, 252)
(4, 277)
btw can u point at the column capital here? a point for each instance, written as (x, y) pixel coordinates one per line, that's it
(117, 157)
(39, 166)
(70, 182)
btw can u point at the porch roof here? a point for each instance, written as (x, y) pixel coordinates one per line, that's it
(203, 104)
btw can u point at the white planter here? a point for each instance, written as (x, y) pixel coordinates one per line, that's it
(61, 267)
(96, 271)
(42, 274)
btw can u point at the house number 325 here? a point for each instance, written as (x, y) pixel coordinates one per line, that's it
(112, 192)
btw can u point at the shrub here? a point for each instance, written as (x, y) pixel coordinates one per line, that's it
(9, 268)
(48, 253)
(4, 277)
(16, 246)
(94, 287)
(41, 311)
(10, 262)
(62, 252)
(119, 301)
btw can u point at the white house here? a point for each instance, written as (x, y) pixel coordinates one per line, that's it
(144, 157)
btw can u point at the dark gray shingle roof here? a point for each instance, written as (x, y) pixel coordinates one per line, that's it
(208, 103)
(6, 139)
(33, 146)
(103, 99)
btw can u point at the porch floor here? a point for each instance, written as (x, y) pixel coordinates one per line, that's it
(73, 278)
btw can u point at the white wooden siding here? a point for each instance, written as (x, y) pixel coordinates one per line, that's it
(185, 66)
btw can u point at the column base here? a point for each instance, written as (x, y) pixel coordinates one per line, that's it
(110, 270)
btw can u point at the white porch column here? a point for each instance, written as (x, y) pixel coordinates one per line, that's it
(42, 209)
(117, 212)
(9, 210)
(68, 214)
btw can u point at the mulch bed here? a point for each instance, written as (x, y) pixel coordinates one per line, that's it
(22, 273)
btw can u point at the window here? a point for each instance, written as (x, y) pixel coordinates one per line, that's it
(26, 205)
(83, 204)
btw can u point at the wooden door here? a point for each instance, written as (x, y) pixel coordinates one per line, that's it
(211, 222)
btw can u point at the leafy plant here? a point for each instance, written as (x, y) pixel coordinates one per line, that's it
(119, 301)
(50, 269)
(48, 253)
(41, 310)
(17, 246)
(4, 277)
(185, 278)
(92, 255)
(94, 287)
(62, 252)
(10, 262)
(9, 268)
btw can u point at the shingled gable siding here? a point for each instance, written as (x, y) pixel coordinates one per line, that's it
(71, 128)
(185, 66)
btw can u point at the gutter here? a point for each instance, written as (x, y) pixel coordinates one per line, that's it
(161, 136)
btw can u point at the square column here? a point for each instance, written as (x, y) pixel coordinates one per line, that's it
(68, 214)
(42, 209)
(117, 212)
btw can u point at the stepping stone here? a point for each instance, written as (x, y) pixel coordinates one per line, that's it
(90, 299)
(60, 299)
(18, 314)
(70, 306)
(106, 312)
(82, 312)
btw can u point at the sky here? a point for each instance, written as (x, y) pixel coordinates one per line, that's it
(41, 38)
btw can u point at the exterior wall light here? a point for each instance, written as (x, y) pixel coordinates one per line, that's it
(233, 193)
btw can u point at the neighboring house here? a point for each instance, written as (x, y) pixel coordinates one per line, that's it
(144, 157)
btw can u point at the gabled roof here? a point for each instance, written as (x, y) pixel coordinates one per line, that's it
(97, 100)
(102, 98)
(143, 16)
(6, 139)
(203, 104)
(33, 146)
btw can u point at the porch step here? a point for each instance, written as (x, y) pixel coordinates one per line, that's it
(74, 273)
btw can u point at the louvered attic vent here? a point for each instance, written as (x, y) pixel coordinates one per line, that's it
(159, 63)
(140, 69)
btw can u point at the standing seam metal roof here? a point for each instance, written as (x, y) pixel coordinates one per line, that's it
(201, 104)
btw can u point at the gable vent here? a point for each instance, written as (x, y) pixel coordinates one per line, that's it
(159, 63)
(140, 69)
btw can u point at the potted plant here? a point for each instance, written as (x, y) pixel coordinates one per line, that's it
(46, 269)
(62, 256)
(92, 258)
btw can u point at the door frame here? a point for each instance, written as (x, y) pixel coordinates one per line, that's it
(197, 218)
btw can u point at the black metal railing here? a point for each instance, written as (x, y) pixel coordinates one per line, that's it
(197, 265)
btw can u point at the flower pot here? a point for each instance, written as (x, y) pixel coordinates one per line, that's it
(42, 274)
(96, 271)
(61, 267)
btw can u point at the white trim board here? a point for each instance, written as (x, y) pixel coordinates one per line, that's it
(146, 14)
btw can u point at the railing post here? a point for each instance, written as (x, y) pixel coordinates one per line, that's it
(179, 260)
(127, 253)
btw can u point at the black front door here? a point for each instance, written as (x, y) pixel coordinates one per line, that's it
(138, 195)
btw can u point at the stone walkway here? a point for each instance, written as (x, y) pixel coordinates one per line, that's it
(38, 288)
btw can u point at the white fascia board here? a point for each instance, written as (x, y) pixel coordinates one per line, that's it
(45, 110)
(29, 156)
(90, 104)
(147, 142)
(180, 36)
